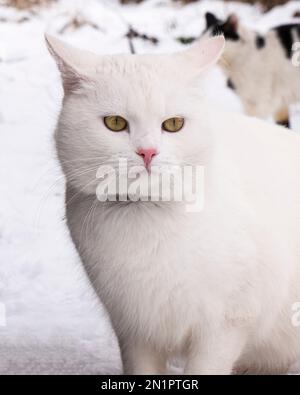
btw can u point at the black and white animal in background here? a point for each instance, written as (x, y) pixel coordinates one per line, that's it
(259, 67)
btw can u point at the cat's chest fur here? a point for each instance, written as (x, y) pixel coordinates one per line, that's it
(155, 267)
(143, 262)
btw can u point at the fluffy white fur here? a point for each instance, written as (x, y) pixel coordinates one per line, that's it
(214, 287)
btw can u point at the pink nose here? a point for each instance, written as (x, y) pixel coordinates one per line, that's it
(147, 154)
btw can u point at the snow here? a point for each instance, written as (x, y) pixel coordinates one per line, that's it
(50, 319)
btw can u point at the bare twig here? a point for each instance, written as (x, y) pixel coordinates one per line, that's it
(132, 34)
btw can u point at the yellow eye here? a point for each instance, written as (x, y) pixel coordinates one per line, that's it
(115, 123)
(173, 124)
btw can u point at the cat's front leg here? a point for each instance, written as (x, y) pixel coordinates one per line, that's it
(215, 353)
(141, 358)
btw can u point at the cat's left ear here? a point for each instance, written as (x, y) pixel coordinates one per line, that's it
(211, 20)
(72, 63)
(205, 52)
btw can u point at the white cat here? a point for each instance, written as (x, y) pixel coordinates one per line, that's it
(215, 287)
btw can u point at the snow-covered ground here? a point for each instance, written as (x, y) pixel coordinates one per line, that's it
(50, 319)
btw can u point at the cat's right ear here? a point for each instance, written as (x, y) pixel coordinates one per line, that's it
(204, 53)
(69, 61)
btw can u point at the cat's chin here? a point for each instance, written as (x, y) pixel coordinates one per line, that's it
(140, 204)
(127, 199)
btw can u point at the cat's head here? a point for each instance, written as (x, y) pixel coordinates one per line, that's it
(242, 44)
(230, 28)
(146, 109)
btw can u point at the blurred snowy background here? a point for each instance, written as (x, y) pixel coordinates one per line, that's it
(51, 320)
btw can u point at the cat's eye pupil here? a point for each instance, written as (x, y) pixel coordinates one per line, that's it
(173, 124)
(116, 123)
